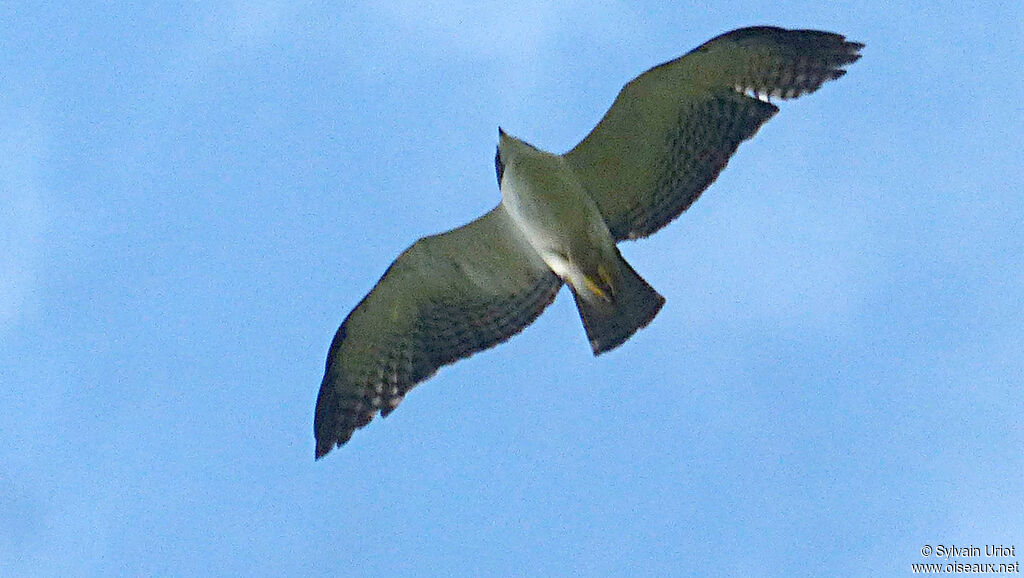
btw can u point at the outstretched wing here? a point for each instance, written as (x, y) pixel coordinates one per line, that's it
(444, 298)
(672, 129)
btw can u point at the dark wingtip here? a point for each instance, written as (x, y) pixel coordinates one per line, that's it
(322, 448)
(326, 444)
(332, 427)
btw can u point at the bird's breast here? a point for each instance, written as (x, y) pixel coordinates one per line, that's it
(548, 204)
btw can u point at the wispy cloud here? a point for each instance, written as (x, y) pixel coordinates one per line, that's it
(21, 211)
(511, 31)
(219, 31)
(493, 29)
(237, 25)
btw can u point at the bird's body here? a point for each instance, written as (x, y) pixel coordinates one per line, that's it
(544, 197)
(546, 200)
(669, 133)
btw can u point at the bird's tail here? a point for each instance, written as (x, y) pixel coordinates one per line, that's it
(609, 323)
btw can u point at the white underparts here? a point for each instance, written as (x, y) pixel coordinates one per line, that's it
(544, 198)
(544, 242)
(559, 264)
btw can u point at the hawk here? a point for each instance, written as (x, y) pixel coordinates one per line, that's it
(664, 140)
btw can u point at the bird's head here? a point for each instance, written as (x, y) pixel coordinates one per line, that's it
(509, 148)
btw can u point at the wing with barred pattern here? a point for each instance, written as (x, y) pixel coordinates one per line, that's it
(672, 129)
(446, 297)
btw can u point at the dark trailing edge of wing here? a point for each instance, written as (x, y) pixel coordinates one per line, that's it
(371, 367)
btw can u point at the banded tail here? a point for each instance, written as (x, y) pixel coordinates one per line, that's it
(610, 323)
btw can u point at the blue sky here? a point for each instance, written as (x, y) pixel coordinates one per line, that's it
(193, 196)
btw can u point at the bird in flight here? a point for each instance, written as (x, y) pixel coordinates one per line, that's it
(664, 140)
